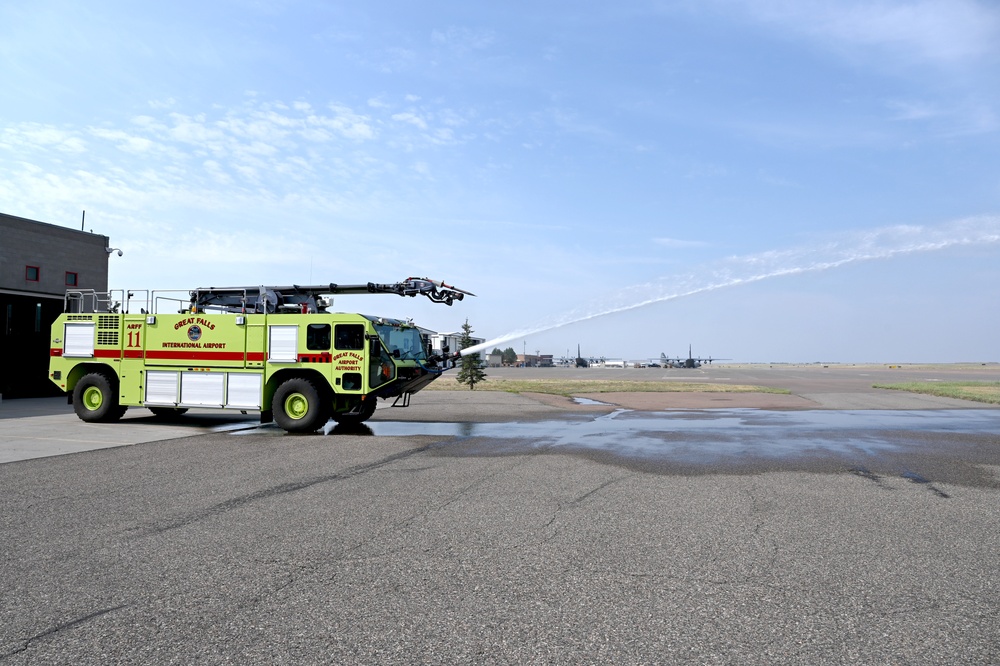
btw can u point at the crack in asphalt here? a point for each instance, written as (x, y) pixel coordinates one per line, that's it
(581, 498)
(273, 491)
(914, 477)
(60, 627)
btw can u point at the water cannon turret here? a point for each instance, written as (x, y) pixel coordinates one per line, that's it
(436, 290)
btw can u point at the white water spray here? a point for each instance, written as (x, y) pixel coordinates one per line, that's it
(848, 248)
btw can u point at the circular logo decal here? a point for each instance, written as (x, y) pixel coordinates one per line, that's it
(194, 333)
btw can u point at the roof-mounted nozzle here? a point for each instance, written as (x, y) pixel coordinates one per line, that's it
(436, 290)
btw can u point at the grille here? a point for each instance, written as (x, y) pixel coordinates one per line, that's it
(107, 329)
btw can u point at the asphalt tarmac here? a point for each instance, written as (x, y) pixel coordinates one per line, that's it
(484, 527)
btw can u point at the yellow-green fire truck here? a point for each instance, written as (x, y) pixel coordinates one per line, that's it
(273, 349)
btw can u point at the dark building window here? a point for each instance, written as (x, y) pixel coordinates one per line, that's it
(70, 279)
(31, 273)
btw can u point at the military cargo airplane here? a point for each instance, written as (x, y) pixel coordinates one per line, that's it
(689, 362)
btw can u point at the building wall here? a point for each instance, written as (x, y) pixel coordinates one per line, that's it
(535, 360)
(28, 307)
(54, 251)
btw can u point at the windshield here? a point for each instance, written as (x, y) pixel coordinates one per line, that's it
(406, 341)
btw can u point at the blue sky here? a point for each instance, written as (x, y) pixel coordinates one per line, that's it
(559, 159)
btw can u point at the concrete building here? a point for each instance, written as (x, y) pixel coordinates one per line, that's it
(535, 360)
(38, 263)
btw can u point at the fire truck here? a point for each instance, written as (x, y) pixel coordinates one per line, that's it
(277, 350)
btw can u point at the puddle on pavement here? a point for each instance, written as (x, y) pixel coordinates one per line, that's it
(587, 401)
(694, 435)
(947, 446)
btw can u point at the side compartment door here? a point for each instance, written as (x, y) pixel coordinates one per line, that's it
(162, 387)
(78, 339)
(282, 343)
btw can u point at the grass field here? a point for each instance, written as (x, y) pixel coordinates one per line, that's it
(988, 392)
(580, 386)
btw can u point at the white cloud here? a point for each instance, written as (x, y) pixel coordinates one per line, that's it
(348, 124)
(677, 243)
(125, 141)
(215, 170)
(443, 136)
(912, 110)
(194, 130)
(927, 31)
(36, 134)
(411, 118)
(159, 104)
(769, 178)
(947, 118)
(462, 40)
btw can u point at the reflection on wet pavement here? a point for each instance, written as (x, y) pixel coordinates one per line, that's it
(927, 447)
(701, 436)
(697, 434)
(588, 401)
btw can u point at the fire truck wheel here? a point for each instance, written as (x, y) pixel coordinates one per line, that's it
(298, 407)
(367, 409)
(94, 400)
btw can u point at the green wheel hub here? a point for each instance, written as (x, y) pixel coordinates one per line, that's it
(93, 398)
(296, 406)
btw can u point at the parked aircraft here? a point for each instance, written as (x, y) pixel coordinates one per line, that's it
(689, 362)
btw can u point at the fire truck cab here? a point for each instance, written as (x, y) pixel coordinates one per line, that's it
(276, 350)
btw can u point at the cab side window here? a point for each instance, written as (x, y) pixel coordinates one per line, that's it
(318, 337)
(349, 336)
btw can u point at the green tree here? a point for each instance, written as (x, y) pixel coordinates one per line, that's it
(472, 369)
(509, 356)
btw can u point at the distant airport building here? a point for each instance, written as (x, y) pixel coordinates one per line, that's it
(38, 263)
(535, 360)
(453, 341)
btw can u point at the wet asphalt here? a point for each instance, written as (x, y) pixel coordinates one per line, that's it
(492, 528)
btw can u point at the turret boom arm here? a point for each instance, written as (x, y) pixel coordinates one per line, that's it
(308, 298)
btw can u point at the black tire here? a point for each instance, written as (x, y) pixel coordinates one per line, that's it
(167, 412)
(298, 406)
(368, 406)
(95, 399)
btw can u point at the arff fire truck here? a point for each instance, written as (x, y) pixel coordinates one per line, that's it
(276, 350)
